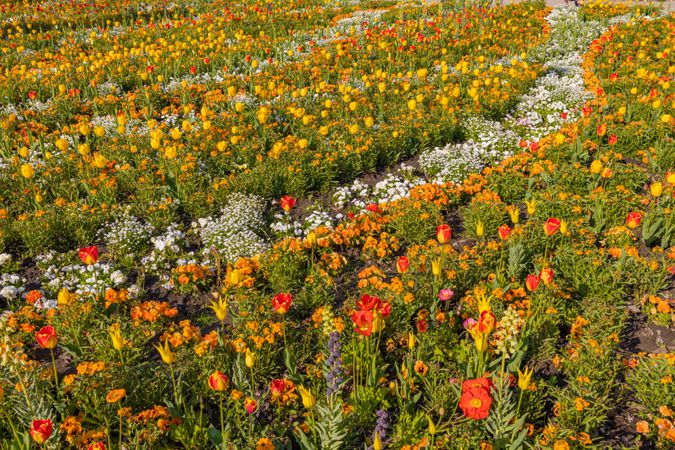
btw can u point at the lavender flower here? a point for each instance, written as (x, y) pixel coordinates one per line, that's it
(381, 426)
(333, 371)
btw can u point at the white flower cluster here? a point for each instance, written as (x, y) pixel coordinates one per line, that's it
(453, 162)
(236, 233)
(166, 249)
(127, 235)
(316, 218)
(11, 286)
(82, 280)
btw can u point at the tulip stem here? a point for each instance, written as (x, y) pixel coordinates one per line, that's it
(222, 422)
(520, 399)
(56, 374)
(175, 388)
(119, 439)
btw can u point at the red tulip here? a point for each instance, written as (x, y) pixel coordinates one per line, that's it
(504, 232)
(368, 302)
(586, 110)
(551, 226)
(443, 233)
(96, 446)
(250, 405)
(402, 264)
(363, 321)
(287, 203)
(373, 207)
(41, 430)
(384, 309)
(32, 95)
(277, 387)
(282, 303)
(218, 381)
(546, 275)
(612, 139)
(532, 282)
(46, 337)
(601, 130)
(89, 255)
(633, 219)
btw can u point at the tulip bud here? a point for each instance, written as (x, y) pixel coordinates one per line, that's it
(480, 229)
(436, 267)
(27, 171)
(514, 213)
(218, 381)
(443, 233)
(249, 359)
(402, 264)
(532, 282)
(531, 206)
(250, 405)
(633, 219)
(116, 337)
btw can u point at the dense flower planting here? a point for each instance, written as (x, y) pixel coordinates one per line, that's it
(208, 240)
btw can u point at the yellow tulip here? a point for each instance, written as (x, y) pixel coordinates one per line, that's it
(596, 167)
(27, 171)
(308, 399)
(514, 213)
(480, 229)
(64, 298)
(377, 442)
(220, 307)
(531, 206)
(524, 379)
(250, 358)
(118, 340)
(656, 189)
(436, 267)
(165, 352)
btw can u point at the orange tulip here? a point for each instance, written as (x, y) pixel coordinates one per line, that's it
(551, 226)
(250, 405)
(402, 264)
(546, 275)
(633, 219)
(218, 381)
(46, 337)
(443, 233)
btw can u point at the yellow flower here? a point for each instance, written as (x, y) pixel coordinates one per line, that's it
(64, 298)
(116, 336)
(436, 267)
(308, 400)
(377, 442)
(27, 171)
(165, 352)
(432, 427)
(412, 104)
(220, 308)
(564, 227)
(514, 213)
(596, 167)
(524, 379)
(656, 189)
(250, 358)
(531, 206)
(411, 341)
(100, 161)
(480, 229)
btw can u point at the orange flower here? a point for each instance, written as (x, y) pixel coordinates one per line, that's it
(115, 395)
(642, 427)
(475, 403)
